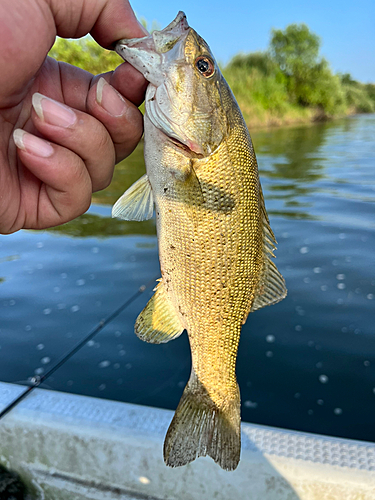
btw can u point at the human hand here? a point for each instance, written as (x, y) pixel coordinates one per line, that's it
(66, 151)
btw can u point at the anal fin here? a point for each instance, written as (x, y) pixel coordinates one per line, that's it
(158, 322)
(137, 203)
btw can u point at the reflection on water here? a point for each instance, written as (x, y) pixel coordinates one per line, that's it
(291, 160)
(101, 225)
(126, 173)
(301, 165)
(297, 166)
(307, 363)
(89, 225)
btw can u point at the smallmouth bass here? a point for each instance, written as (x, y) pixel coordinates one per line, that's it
(215, 242)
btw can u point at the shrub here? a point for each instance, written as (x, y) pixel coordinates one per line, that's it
(86, 54)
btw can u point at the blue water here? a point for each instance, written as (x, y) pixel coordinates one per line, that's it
(307, 363)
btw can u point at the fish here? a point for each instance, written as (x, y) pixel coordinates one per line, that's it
(214, 237)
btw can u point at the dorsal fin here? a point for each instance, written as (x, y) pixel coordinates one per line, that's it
(271, 288)
(137, 203)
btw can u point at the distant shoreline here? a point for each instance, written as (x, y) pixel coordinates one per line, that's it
(286, 122)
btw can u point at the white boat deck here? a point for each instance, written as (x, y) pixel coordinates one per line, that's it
(78, 448)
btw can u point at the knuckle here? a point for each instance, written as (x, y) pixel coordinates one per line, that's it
(83, 204)
(103, 142)
(102, 184)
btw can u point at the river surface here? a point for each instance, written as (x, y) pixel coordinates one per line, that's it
(307, 363)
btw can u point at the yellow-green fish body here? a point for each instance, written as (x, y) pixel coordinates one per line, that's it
(214, 238)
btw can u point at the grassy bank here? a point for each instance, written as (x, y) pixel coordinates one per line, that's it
(286, 84)
(291, 83)
(263, 100)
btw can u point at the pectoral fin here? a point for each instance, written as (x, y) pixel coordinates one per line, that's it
(158, 322)
(137, 203)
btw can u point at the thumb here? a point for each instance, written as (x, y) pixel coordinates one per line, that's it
(28, 29)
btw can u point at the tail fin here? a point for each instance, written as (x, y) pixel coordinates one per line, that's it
(200, 428)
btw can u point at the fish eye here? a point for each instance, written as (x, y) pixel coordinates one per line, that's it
(205, 66)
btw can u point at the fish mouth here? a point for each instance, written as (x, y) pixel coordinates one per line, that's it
(180, 22)
(159, 40)
(166, 38)
(145, 53)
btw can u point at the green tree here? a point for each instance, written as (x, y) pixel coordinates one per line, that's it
(295, 50)
(310, 81)
(323, 90)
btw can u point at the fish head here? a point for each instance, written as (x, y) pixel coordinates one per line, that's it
(183, 98)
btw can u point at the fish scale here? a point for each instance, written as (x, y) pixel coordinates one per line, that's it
(214, 238)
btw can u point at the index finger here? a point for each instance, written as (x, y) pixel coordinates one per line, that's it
(106, 20)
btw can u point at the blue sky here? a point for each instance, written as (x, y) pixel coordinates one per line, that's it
(347, 29)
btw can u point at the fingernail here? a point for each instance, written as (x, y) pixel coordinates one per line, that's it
(53, 112)
(32, 144)
(110, 99)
